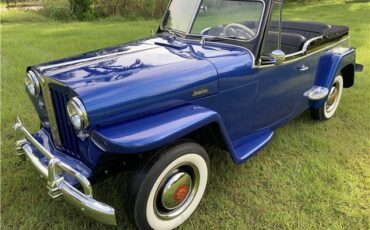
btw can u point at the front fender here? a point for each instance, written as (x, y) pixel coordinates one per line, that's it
(330, 65)
(155, 131)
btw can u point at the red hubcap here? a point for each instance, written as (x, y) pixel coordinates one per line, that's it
(181, 193)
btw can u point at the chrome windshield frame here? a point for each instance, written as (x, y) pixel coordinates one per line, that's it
(161, 26)
(189, 34)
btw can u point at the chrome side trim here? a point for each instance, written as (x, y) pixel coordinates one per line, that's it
(305, 47)
(56, 184)
(304, 55)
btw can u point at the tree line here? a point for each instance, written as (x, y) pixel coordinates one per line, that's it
(90, 9)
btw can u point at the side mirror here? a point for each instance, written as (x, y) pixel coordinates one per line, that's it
(279, 56)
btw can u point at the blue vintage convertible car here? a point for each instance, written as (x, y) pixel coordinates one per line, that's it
(220, 72)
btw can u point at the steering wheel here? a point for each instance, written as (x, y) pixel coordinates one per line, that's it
(238, 31)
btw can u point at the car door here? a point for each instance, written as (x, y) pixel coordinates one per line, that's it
(280, 92)
(280, 84)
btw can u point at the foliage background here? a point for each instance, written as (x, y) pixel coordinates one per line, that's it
(129, 9)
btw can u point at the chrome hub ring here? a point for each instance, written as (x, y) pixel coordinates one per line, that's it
(177, 191)
(333, 97)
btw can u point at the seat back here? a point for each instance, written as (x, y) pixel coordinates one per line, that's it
(306, 29)
(290, 42)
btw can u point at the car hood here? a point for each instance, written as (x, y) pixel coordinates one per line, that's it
(123, 81)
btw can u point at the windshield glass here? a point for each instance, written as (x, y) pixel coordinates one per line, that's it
(180, 14)
(234, 19)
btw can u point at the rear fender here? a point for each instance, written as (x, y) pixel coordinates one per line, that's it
(158, 130)
(330, 65)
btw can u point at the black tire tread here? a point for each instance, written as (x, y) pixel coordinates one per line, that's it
(318, 114)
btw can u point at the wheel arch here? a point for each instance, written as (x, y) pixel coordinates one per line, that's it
(331, 64)
(348, 74)
(209, 134)
(157, 131)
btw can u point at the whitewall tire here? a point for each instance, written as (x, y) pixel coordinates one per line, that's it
(331, 104)
(169, 187)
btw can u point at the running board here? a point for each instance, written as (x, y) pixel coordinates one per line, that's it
(248, 148)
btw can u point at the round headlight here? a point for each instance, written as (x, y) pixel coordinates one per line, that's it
(32, 83)
(77, 114)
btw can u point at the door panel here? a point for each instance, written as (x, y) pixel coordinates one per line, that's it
(280, 92)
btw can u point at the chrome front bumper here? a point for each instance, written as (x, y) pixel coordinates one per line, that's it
(56, 184)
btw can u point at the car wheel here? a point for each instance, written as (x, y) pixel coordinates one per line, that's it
(330, 106)
(168, 188)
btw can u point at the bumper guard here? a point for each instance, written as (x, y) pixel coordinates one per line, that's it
(56, 184)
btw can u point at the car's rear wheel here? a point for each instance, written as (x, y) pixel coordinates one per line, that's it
(168, 188)
(331, 104)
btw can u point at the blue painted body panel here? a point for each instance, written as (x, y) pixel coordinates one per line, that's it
(143, 78)
(44, 138)
(330, 65)
(140, 96)
(153, 131)
(160, 129)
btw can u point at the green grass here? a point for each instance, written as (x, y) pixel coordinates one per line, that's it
(311, 176)
(20, 16)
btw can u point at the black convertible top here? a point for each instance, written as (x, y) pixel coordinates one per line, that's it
(336, 32)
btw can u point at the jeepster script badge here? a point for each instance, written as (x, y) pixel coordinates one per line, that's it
(200, 91)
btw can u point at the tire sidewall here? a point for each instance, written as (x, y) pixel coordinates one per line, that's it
(156, 170)
(326, 114)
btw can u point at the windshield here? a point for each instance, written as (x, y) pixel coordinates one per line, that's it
(234, 19)
(179, 15)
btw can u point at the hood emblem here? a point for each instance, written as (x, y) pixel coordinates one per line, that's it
(200, 91)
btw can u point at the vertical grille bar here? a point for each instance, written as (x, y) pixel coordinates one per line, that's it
(69, 139)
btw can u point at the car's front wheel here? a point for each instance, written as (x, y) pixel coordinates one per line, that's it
(168, 188)
(328, 110)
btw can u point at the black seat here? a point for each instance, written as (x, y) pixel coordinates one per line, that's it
(307, 29)
(290, 42)
(335, 32)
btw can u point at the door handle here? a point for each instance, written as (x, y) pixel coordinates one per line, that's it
(302, 67)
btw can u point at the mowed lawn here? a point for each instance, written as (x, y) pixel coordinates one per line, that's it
(311, 176)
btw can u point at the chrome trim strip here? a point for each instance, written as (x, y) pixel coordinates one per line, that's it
(83, 61)
(306, 54)
(43, 68)
(305, 47)
(49, 107)
(58, 186)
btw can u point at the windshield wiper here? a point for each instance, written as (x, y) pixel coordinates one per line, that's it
(174, 34)
(211, 38)
(217, 38)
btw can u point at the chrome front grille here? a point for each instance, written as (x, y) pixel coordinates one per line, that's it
(62, 132)
(67, 135)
